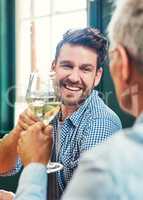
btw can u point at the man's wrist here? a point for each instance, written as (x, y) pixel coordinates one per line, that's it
(36, 161)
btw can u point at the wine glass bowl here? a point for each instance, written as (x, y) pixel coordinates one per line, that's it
(44, 103)
(41, 97)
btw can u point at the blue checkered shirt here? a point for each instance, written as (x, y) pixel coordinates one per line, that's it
(91, 124)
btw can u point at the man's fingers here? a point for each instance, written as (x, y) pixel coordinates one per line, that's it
(31, 115)
(20, 140)
(38, 126)
(28, 117)
(35, 128)
(23, 125)
(48, 130)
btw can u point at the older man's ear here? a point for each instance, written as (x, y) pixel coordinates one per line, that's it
(124, 63)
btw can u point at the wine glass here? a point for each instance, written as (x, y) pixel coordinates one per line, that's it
(43, 101)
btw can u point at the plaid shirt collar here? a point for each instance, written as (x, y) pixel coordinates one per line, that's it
(76, 116)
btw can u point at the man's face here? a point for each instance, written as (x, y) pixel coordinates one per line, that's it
(76, 73)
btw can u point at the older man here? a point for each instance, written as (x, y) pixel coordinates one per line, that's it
(114, 170)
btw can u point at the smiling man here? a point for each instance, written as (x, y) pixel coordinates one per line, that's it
(84, 120)
(76, 74)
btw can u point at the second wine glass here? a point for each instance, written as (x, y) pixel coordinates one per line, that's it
(43, 101)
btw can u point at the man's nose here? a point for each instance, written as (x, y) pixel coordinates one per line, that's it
(74, 76)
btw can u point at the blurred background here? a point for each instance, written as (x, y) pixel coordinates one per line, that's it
(29, 32)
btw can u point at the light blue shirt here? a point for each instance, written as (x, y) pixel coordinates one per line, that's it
(112, 171)
(32, 183)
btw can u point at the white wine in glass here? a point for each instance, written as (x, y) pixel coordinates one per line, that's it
(43, 101)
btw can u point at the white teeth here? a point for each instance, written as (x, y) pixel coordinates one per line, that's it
(73, 88)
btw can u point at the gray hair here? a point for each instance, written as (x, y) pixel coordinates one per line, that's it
(126, 28)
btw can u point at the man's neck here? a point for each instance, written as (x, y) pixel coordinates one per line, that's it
(66, 111)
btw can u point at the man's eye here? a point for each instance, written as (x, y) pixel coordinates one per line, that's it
(66, 66)
(87, 69)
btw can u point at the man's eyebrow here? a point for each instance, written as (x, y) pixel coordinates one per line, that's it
(87, 65)
(65, 61)
(81, 66)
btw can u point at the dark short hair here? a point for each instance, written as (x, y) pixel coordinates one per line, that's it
(87, 37)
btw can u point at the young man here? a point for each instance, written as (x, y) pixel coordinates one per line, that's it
(84, 120)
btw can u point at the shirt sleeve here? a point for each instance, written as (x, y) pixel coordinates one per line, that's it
(33, 183)
(99, 130)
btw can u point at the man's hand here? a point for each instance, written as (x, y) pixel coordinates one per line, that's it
(8, 144)
(26, 119)
(35, 144)
(5, 195)
(8, 150)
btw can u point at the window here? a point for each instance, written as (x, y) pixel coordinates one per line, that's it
(39, 26)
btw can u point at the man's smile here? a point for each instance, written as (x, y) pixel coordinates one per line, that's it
(72, 88)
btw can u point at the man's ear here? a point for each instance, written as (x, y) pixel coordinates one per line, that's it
(98, 76)
(124, 63)
(53, 65)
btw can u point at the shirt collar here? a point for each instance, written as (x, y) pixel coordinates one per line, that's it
(136, 132)
(76, 116)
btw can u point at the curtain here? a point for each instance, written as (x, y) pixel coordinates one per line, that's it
(7, 65)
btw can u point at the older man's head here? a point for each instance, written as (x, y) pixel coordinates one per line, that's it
(125, 33)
